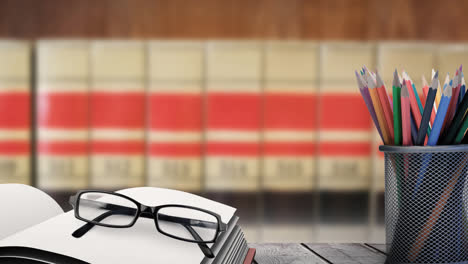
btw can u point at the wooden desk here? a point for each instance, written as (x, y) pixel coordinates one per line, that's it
(320, 253)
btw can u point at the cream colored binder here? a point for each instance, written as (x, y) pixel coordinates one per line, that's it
(118, 107)
(175, 114)
(233, 119)
(345, 126)
(290, 115)
(62, 112)
(15, 106)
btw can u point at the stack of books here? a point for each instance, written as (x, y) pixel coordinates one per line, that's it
(51, 241)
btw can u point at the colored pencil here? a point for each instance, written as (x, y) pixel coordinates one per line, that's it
(437, 210)
(440, 117)
(383, 96)
(462, 88)
(379, 111)
(427, 112)
(368, 101)
(454, 127)
(396, 109)
(426, 90)
(405, 116)
(414, 131)
(439, 92)
(461, 131)
(414, 105)
(453, 104)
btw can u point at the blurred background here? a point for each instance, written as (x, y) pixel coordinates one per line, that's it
(250, 103)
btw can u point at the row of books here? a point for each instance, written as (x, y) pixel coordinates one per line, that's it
(214, 115)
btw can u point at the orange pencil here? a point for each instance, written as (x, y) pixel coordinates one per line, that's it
(384, 101)
(378, 110)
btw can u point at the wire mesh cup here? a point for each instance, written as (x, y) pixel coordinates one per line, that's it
(425, 204)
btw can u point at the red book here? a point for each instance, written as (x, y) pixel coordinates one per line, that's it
(345, 125)
(175, 115)
(117, 114)
(62, 114)
(233, 112)
(15, 101)
(249, 259)
(291, 86)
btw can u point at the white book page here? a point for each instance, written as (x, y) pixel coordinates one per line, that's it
(141, 243)
(23, 206)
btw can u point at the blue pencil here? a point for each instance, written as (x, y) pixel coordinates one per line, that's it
(462, 89)
(440, 116)
(414, 130)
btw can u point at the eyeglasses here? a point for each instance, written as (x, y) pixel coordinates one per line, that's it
(182, 222)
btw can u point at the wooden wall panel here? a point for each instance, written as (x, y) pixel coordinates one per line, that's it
(247, 19)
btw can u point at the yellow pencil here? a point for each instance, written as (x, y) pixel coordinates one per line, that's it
(438, 96)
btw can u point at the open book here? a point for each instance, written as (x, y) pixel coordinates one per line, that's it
(51, 240)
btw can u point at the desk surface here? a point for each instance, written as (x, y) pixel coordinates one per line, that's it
(320, 253)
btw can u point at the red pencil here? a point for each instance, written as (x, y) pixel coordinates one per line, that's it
(383, 97)
(414, 104)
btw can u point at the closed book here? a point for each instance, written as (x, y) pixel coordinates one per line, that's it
(345, 126)
(290, 115)
(416, 59)
(117, 115)
(175, 114)
(233, 116)
(15, 106)
(62, 114)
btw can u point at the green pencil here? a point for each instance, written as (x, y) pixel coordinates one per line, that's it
(462, 130)
(396, 108)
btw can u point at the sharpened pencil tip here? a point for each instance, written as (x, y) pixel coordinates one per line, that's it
(404, 90)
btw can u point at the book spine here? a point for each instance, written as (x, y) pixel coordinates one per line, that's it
(62, 114)
(233, 109)
(15, 101)
(175, 115)
(449, 57)
(345, 126)
(291, 85)
(118, 107)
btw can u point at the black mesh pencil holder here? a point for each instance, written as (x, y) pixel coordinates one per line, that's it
(425, 204)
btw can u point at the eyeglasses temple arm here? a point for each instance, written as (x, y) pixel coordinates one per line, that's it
(203, 247)
(86, 227)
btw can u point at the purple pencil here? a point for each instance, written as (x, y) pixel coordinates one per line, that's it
(367, 99)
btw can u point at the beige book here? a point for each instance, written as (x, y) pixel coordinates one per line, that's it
(449, 58)
(290, 115)
(62, 114)
(117, 113)
(344, 122)
(233, 107)
(15, 103)
(414, 58)
(175, 72)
